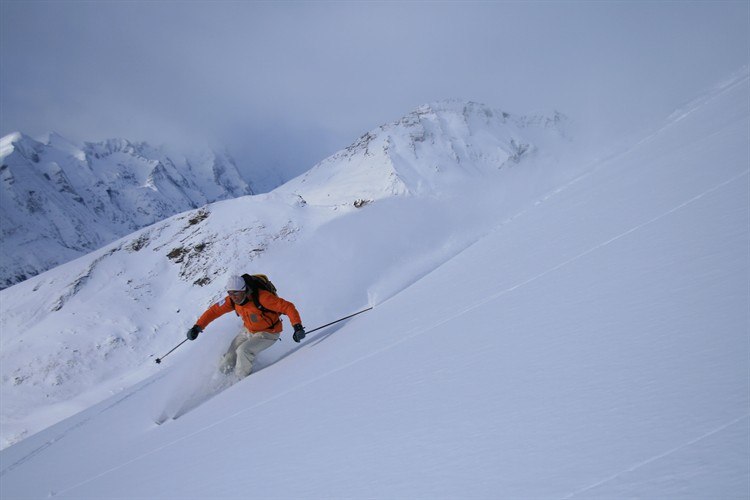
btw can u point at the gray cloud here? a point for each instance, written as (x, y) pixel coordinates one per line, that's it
(287, 83)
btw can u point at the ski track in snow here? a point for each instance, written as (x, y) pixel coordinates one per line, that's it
(77, 425)
(410, 334)
(638, 465)
(615, 238)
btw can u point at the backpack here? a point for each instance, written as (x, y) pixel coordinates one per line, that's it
(257, 282)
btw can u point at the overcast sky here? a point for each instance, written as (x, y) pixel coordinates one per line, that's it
(288, 83)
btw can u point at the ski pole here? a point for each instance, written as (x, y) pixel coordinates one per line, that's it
(158, 360)
(333, 322)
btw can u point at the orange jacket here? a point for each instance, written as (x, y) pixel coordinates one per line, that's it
(254, 319)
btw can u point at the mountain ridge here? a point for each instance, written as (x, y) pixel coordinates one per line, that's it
(61, 201)
(431, 148)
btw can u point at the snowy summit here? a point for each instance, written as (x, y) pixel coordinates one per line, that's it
(429, 151)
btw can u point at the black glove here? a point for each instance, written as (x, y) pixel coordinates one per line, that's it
(299, 333)
(192, 334)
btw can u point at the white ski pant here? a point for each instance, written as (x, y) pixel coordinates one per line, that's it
(243, 349)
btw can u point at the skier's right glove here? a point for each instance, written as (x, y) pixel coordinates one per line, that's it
(192, 334)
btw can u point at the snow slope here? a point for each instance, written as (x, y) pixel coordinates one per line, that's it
(588, 342)
(60, 201)
(75, 333)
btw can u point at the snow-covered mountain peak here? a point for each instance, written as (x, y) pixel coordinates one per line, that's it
(111, 146)
(428, 151)
(20, 144)
(457, 118)
(61, 200)
(60, 143)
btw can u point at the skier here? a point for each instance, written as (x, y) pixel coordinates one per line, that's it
(263, 324)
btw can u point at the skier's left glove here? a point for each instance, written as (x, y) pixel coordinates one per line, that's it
(299, 332)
